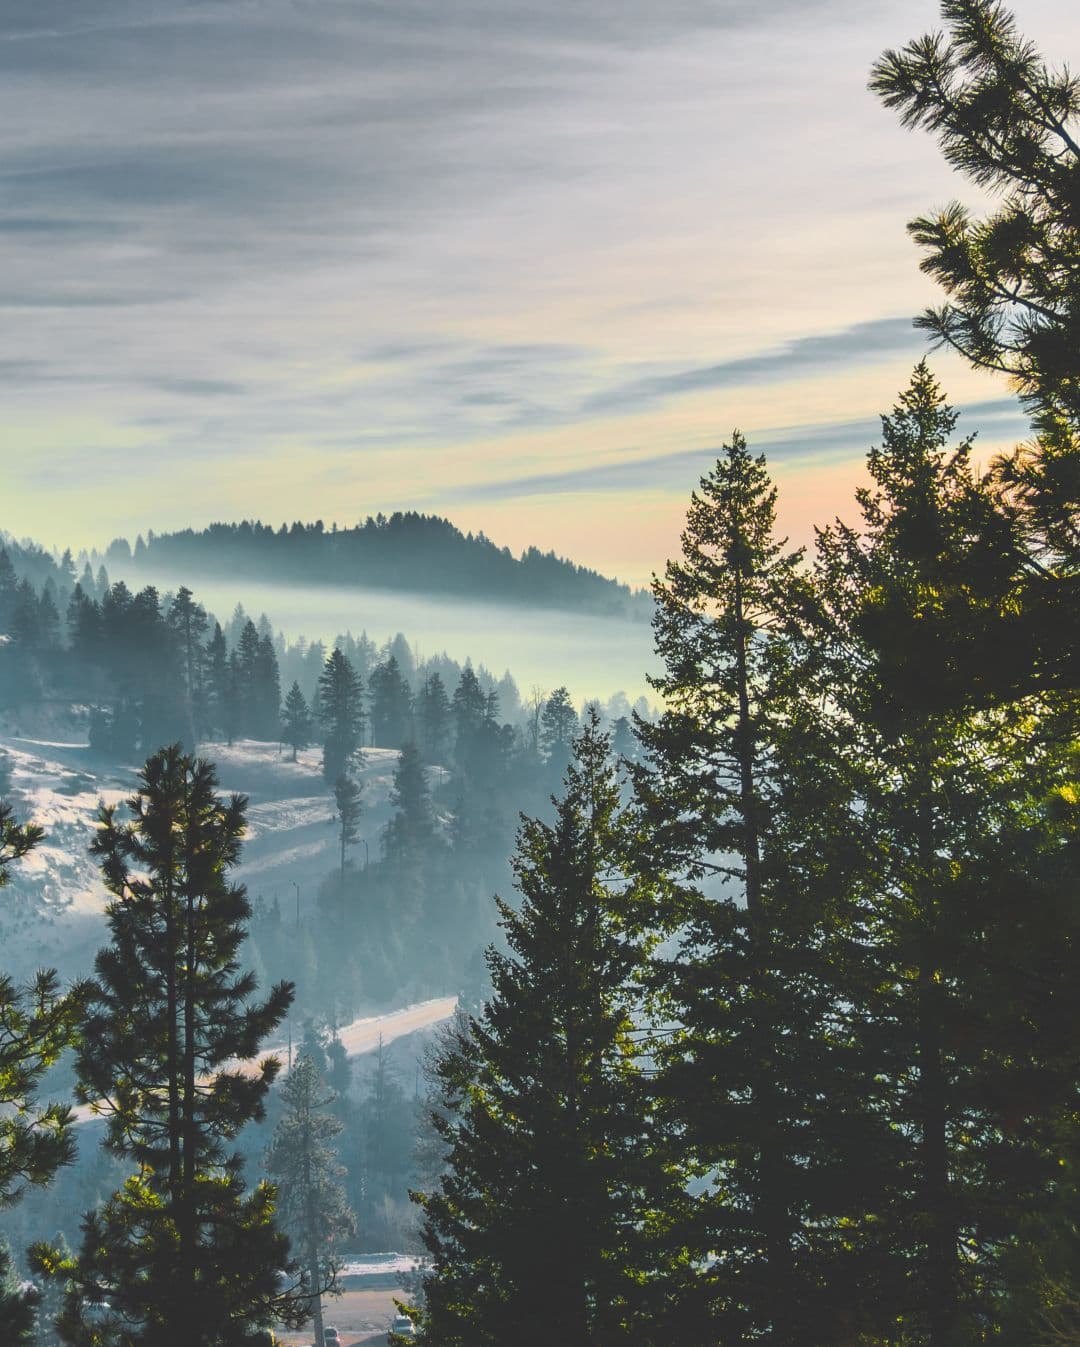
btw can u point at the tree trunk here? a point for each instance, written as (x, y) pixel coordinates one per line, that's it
(313, 1250)
(940, 1279)
(773, 1209)
(187, 1231)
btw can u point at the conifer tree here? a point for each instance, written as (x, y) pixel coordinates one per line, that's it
(266, 696)
(9, 583)
(408, 836)
(347, 795)
(217, 679)
(35, 1140)
(296, 723)
(433, 724)
(187, 620)
(744, 983)
(169, 1057)
(558, 726)
(959, 998)
(339, 710)
(542, 1227)
(391, 705)
(1010, 123)
(311, 1201)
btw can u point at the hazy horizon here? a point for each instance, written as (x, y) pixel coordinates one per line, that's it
(524, 267)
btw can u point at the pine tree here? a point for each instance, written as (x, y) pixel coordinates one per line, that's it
(958, 998)
(246, 664)
(391, 705)
(742, 1076)
(35, 1140)
(187, 621)
(168, 1056)
(9, 583)
(469, 711)
(340, 712)
(296, 723)
(1007, 122)
(433, 725)
(266, 699)
(409, 835)
(558, 726)
(542, 1227)
(311, 1201)
(217, 679)
(347, 796)
(1010, 124)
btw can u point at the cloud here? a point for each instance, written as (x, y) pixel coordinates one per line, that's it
(865, 343)
(454, 233)
(997, 419)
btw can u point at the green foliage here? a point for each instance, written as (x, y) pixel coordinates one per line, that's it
(347, 796)
(36, 1025)
(340, 714)
(169, 1057)
(544, 1226)
(1008, 122)
(311, 1201)
(1011, 124)
(297, 728)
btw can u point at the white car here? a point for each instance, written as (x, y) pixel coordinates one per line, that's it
(402, 1326)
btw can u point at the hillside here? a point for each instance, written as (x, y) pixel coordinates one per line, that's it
(53, 911)
(418, 553)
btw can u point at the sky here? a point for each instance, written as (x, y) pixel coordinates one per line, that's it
(526, 263)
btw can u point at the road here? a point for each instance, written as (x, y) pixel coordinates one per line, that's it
(359, 1037)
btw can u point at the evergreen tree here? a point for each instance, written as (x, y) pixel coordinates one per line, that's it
(1007, 122)
(433, 724)
(558, 726)
(266, 691)
(340, 712)
(469, 710)
(168, 1055)
(957, 996)
(543, 1226)
(409, 835)
(296, 723)
(246, 663)
(391, 705)
(9, 583)
(187, 621)
(347, 794)
(742, 1077)
(35, 1140)
(1011, 124)
(311, 1200)
(218, 679)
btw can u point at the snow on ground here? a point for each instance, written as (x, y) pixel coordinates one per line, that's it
(52, 913)
(360, 1037)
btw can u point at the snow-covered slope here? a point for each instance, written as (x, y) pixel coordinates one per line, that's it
(52, 913)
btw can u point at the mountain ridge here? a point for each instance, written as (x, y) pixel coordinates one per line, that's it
(407, 551)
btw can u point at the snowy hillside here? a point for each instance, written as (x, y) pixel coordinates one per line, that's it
(52, 913)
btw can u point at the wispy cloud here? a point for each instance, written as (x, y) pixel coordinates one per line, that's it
(678, 472)
(368, 250)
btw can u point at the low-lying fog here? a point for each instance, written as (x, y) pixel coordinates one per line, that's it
(592, 656)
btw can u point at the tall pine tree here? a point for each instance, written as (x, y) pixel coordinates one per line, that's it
(169, 1057)
(544, 1225)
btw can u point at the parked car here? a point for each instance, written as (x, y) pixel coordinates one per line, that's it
(402, 1327)
(331, 1337)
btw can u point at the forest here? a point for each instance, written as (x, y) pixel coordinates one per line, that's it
(402, 551)
(770, 1035)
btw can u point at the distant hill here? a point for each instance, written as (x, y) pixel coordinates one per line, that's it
(420, 553)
